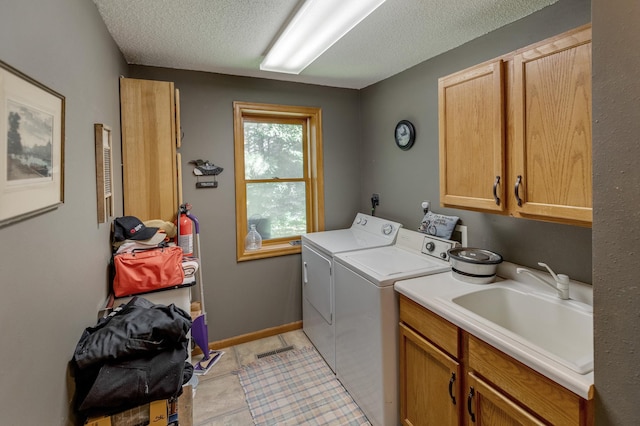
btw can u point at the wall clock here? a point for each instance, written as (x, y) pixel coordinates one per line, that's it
(405, 134)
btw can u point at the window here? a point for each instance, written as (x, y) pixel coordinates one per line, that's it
(278, 173)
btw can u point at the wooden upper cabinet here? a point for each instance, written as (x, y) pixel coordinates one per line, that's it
(149, 138)
(515, 133)
(177, 118)
(471, 123)
(552, 128)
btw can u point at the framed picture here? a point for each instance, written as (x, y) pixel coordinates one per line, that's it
(31, 146)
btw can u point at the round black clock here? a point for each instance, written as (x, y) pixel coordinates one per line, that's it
(405, 134)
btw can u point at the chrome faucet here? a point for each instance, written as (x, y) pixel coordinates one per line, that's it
(561, 284)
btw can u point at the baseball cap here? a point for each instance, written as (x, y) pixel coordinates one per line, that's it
(132, 228)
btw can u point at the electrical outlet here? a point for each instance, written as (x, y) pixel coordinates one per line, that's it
(375, 200)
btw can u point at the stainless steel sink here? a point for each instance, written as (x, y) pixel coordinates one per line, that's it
(553, 327)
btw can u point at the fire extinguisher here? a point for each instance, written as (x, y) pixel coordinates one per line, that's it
(184, 236)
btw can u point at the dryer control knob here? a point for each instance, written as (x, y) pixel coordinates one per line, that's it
(387, 228)
(364, 221)
(430, 246)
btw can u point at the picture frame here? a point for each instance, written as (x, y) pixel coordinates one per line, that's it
(32, 125)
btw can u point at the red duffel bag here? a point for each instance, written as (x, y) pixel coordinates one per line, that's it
(146, 270)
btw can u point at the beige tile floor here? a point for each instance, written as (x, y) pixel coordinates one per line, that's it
(219, 398)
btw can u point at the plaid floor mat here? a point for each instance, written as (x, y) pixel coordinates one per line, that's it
(297, 388)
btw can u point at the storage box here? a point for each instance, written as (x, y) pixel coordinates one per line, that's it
(165, 412)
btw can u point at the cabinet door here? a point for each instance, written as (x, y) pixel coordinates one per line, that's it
(148, 149)
(178, 125)
(552, 127)
(487, 406)
(471, 123)
(178, 128)
(429, 383)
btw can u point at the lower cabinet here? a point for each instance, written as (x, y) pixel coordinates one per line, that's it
(450, 377)
(488, 406)
(419, 359)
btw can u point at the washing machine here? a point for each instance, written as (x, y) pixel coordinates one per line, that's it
(366, 317)
(318, 251)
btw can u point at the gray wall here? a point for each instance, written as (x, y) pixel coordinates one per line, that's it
(405, 178)
(616, 227)
(52, 267)
(250, 296)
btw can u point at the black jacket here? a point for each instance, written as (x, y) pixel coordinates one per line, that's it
(134, 356)
(137, 328)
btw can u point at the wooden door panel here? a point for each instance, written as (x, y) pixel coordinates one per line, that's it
(428, 380)
(489, 407)
(553, 130)
(471, 108)
(148, 149)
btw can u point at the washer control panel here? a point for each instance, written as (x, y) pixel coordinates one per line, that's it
(376, 225)
(438, 247)
(387, 228)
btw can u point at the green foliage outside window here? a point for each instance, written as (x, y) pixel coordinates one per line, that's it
(274, 169)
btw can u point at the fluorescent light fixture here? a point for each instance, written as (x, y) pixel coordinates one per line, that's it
(317, 25)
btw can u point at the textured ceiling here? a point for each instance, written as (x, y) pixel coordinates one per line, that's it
(232, 36)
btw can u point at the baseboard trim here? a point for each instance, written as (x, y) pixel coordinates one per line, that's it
(249, 337)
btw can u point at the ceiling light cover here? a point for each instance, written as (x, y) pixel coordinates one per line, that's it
(314, 29)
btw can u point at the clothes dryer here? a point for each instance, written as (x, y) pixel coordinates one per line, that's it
(366, 317)
(318, 251)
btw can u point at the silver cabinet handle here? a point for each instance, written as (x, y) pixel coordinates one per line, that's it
(304, 273)
(495, 190)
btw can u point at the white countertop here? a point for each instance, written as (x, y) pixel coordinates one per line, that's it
(435, 292)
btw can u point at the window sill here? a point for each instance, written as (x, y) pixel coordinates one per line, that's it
(269, 250)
